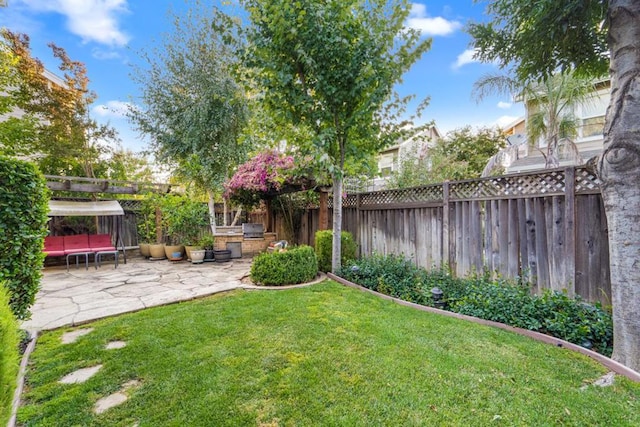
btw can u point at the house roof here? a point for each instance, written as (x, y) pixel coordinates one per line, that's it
(536, 161)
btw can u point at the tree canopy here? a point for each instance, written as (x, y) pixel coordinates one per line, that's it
(54, 127)
(589, 37)
(331, 66)
(191, 105)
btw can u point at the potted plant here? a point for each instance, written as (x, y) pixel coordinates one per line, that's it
(197, 256)
(207, 242)
(146, 225)
(184, 218)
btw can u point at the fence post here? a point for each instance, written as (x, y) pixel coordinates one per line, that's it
(324, 210)
(357, 236)
(445, 224)
(570, 228)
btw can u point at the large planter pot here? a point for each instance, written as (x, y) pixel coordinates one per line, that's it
(188, 249)
(197, 256)
(222, 256)
(174, 252)
(156, 251)
(144, 250)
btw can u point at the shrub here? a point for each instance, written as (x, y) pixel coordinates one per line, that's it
(295, 265)
(8, 356)
(388, 274)
(23, 219)
(552, 313)
(324, 248)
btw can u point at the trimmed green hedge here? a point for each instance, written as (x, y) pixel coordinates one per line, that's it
(324, 248)
(9, 357)
(293, 266)
(553, 313)
(24, 199)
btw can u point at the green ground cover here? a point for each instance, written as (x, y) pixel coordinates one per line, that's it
(321, 355)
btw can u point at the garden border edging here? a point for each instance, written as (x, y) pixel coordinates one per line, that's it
(607, 362)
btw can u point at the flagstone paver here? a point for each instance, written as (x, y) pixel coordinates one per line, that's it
(114, 345)
(81, 375)
(72, 336)
(70, 298)
(115, 399)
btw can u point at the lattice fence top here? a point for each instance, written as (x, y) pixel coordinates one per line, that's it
(546, 183)
(543, 183)
(587, 181)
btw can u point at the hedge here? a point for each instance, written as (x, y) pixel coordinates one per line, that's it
(23, 220)
(553, 313)
(292, 266)
(9, 358)
(324, 248)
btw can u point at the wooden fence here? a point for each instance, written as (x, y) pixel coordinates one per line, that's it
(533, 226)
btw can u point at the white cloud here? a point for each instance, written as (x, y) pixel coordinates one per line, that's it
(504, 105)
(504, 121)
(430, 26)
(93, 20)
(105, 54)
(117, 109)
(465, 58)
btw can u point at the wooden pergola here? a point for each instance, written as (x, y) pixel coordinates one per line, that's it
(101, 185)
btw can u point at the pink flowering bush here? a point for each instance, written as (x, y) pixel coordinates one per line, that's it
(265, 173)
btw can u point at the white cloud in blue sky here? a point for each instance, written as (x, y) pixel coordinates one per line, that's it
(116, 109)
(92, 20)
(430, 26)
(465, 58)
(504, 105)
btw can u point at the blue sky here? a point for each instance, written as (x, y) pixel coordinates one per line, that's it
(108, 34)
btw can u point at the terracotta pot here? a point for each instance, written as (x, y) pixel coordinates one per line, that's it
(156, 251)
(144, 250)
(174, 252)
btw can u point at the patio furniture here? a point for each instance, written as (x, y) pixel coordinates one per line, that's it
(99, 255)
(78, 255)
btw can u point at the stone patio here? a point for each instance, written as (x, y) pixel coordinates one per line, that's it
(77, 296)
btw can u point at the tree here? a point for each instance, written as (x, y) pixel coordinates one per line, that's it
(462, 154)
(331, 66)
(55, 128)
(537, 38)
(550, 104)
(192, 107)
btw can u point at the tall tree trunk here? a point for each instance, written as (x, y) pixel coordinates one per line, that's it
(619, 170)
(212, 212)
(337, 222)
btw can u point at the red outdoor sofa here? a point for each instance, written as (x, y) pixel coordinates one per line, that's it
(82, 245)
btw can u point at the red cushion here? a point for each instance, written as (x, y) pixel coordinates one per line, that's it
(52, 243)
(76, 243)
(103, 248)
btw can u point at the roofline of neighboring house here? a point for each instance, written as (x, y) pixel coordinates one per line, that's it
(514, 123)
(54, 78)
(397, 146)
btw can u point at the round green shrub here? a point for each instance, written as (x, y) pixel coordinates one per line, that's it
(324, 248)
(295, 265)
(9, 358)
(24, 198)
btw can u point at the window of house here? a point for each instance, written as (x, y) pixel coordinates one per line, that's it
(593, 126)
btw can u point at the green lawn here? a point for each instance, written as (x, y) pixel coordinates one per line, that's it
(322, 355)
